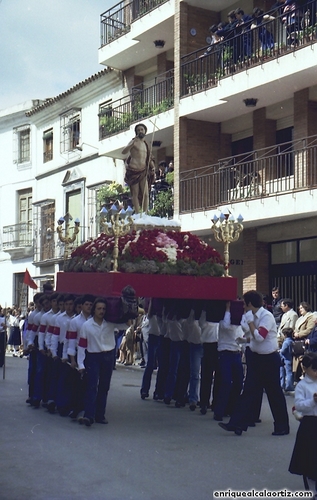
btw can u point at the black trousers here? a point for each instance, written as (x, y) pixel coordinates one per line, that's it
(209, 364)
(3, 345)
(266, 375)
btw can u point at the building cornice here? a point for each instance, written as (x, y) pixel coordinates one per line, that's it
(51, 101)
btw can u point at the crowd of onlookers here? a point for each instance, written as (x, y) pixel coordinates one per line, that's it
(163, 181)
(292, 16)
(12, 328)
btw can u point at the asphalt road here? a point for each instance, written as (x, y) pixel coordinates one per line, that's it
(148, 451)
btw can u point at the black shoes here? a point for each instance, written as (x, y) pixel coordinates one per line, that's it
(218, 418)
(192, 407)
(64, 412)
(167, 401)
(231, 428)
(157, 397)
(280, 433)
(144, 395)
(73, 414)
(203, 410)
(51, 407)
(101, 421)
(86, 420)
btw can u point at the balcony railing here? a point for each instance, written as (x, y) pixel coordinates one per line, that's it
(202, 69)
(17, 236)
(47, 156)
(282, 168)
(117, 21)
(142, 103)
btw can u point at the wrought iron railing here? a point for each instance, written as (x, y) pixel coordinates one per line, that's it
(143, 102)
(203, 68)
(17, 236)
(116, 22)
(47, 156)
(279, 169)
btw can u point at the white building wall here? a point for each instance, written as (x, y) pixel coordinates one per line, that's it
(83, 168)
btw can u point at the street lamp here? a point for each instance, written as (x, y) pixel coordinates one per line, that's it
(226, 230)
(120, 225)
(66, 238)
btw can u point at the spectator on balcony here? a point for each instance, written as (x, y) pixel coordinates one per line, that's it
(291, 20)
(214, 39)
(278, 7)
(140, 168)
(264, 35)
(163, 167)
(170, 167)
(227, 32)
(160, 181)
(242, 26)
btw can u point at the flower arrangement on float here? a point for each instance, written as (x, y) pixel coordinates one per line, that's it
(149, 251)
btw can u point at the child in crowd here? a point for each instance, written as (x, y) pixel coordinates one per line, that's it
(304, 457)
(286, 353)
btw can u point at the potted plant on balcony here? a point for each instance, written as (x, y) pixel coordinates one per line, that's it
(110, 193)
(191, 82)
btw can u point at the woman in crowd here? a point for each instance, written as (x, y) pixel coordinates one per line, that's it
(303, 327)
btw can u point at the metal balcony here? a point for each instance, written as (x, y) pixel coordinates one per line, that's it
(17, 240)
(116, 22)
(283, 168)
(17, 236)
(142, 103)
(204, 68)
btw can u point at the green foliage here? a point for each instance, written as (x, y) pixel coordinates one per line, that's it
(111, 125)
(111, 191)
(163, 205)
(170, 178)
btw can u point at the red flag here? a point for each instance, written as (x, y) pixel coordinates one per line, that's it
(27, 280)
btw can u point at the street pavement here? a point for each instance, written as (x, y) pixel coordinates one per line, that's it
(148, 451)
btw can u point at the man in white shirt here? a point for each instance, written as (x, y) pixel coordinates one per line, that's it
(58, 350)
(31, 342)
(265, 366)
(96, 347)
(78, 380)
(40, 321)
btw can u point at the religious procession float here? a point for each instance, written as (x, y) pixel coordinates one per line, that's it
(155, 258)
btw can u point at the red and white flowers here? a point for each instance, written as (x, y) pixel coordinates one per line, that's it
(149, 251)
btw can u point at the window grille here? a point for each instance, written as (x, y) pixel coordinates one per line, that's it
(48, 145)
(22, 144)
(70, 124)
